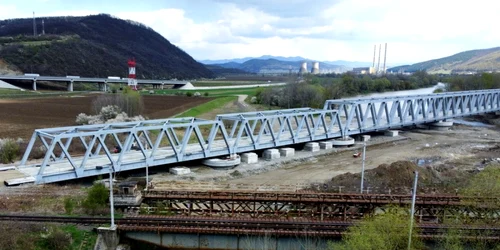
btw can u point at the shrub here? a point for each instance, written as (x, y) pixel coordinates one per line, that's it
(108, 114)
(69, 205)
(9, 150)
(57, 239)
(82, 119)
(128, 101)
(96, 198)
(205, 94)
(189, 94)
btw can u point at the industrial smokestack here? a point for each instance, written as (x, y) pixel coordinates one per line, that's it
(379, 52)
(315, 68)
(43, 27)
(303, 68)
(385, 58)
(374, 53)
(34, 24)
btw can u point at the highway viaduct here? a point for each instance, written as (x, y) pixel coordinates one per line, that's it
(102, 82)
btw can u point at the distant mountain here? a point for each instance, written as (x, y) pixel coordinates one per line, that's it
(472, 60)
(350, 64)
(242, 60)
(93, 46)
(263, 66)
(222, 71)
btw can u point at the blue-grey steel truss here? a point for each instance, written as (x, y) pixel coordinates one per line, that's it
(89, 150)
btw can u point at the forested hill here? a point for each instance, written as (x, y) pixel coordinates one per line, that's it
(472, 60)
(93, 46)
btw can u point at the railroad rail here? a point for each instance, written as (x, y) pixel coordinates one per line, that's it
(248, 226)
(167, 141)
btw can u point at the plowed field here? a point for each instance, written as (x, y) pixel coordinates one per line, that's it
(19, 117)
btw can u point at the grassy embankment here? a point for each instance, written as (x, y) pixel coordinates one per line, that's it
(225, 83)
(223, 96)
(12, 93)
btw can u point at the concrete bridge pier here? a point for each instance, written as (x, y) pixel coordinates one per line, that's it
(34, 84)
(442, 125)
(70, 86)
(103, 87)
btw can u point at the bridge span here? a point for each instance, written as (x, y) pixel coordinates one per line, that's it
(83, 151)
(77, 79)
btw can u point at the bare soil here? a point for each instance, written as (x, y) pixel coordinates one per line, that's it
(453, 153)
(20, 117)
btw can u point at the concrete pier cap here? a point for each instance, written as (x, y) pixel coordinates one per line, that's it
(312, 147)
(343, 142)
(249, 158)
(391, 133)
(325, 145)
(271, 154)
(444, 123)
(287, 152)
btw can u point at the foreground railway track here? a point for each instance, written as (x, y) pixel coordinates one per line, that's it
(246, 226)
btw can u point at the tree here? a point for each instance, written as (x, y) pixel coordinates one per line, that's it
(96, 198)
(386, 231)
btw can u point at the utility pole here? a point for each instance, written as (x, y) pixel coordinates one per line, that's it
(111, 203)
(363, 168)
(414, 196)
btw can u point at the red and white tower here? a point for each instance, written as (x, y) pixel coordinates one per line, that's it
(132, 82)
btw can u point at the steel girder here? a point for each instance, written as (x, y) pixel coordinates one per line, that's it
(373, 114)
(82, 151)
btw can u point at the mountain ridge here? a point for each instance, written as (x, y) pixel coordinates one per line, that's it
(94, 46)
(272, 65)
(465, 61)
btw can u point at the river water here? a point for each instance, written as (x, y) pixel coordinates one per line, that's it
(422, 91)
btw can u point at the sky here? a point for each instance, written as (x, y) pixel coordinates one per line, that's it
(321, 30)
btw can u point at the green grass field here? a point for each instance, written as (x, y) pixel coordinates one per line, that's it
(212, 92)
(225, 83)
(206, 107)
(12, 93)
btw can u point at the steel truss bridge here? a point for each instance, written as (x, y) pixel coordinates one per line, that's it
(319, 206)
(83, 151)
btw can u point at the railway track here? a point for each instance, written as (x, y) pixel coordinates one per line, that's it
(246, 226)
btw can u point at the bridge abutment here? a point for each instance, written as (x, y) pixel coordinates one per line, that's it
(107, 238)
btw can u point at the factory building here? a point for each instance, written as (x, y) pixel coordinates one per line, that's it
(364, 70)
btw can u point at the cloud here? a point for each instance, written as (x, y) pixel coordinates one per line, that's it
(321, 29)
